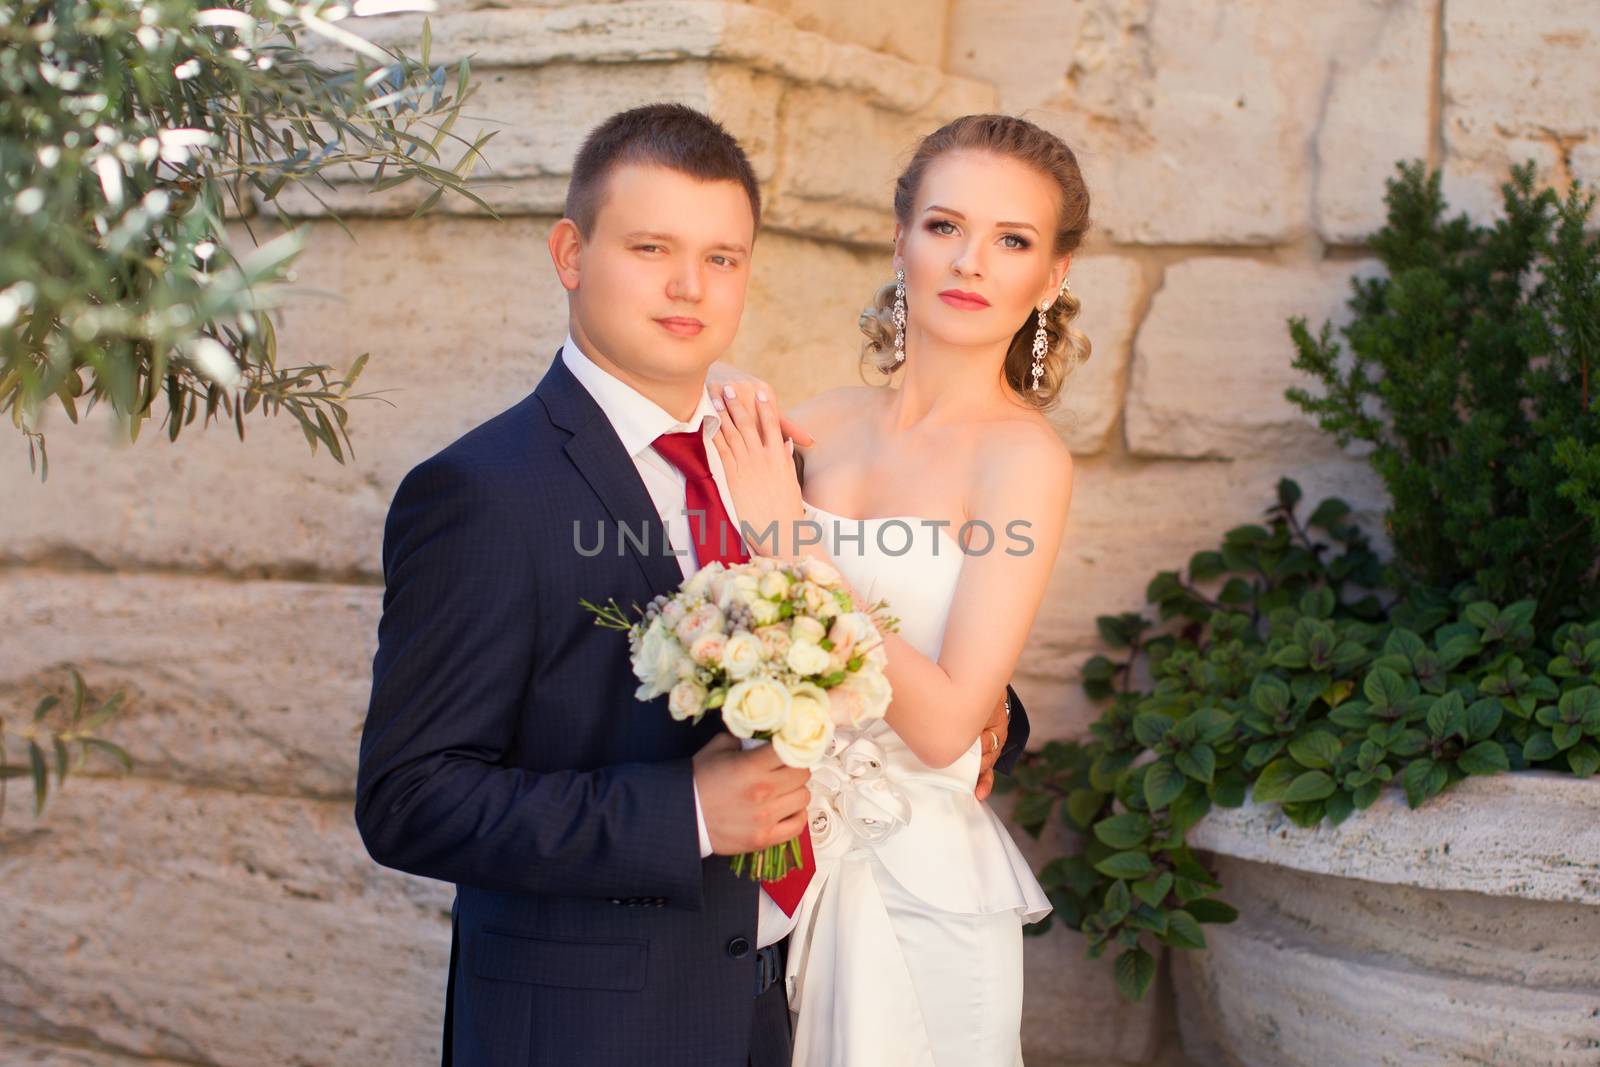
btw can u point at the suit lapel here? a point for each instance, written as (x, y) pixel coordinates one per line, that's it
(597, 453)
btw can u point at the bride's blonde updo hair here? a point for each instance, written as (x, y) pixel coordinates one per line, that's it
(1018, 139)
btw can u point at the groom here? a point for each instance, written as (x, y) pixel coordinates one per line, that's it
(596, 919)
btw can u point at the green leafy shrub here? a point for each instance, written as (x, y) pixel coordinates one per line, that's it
(1474, 372)
(1273, 666)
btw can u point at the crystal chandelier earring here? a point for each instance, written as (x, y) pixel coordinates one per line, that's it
(899, 317)
(1041, 339)
(1041, 344)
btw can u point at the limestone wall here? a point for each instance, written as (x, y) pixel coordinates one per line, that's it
(218, 908)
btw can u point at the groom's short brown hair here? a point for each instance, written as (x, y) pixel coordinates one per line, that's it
(668, 135)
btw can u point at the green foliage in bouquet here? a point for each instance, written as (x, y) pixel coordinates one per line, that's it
(1272, 667)
(129, 133)
(1472, 367)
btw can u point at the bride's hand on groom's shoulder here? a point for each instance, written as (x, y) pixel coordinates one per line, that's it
(720, 374)
(758, 463)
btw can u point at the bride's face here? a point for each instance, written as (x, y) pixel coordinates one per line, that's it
(977, 250)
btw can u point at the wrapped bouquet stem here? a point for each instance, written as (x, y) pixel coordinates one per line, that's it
(779, 650)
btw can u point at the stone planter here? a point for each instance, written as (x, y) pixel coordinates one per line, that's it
(1465, 932)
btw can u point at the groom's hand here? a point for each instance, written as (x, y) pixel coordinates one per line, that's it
(994, 739)
(751, 800)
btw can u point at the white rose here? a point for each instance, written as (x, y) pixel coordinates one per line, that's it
(674, 612)
(741, 655)
(775, 584)
(736, 588)
(707, 618)
(806, 628)
(687, 701)
(813, 596)
(655, 663)
(707, 648)
(805, 658)
(754, 705)
(820, 572)
(699, 583)
(764, 612)
(804, 739)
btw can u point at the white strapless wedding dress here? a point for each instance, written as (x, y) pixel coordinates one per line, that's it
(907, 950)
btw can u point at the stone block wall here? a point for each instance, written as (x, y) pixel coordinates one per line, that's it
(217, 907)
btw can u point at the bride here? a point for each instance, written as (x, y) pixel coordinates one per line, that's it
(945, 494)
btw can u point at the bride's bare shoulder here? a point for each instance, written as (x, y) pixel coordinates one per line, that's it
(833, 406)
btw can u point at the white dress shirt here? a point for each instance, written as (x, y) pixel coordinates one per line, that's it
(638, 421)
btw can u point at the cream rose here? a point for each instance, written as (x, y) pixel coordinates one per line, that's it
(732, 588)
(775, 584)
(874, 690)
(707, 648)
(673, 612)
(820, 572)
(764, 612)
(814, 597)
(774, 640)
(687, 701)
(806, 628)
(805, 658)
(706, 618)
(741, 655)
(859, 699)
(804, 738)
(755, 705)
(699, 583)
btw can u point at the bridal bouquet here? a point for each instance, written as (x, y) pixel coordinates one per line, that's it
(780, 648)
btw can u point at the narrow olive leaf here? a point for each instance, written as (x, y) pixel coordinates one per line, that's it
(41, 777)
(115, 751)
(61, 760)
(44, 707)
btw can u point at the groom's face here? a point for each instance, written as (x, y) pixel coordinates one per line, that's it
(660, 280)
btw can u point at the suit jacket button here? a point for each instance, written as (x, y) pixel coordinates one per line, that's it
(739, 948)
(616, 900)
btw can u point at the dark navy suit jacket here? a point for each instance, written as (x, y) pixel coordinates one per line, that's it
(504, 751)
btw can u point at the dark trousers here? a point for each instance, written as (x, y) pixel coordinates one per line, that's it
(770, 1041)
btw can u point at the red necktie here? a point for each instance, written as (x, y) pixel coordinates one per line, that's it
(716, 538)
